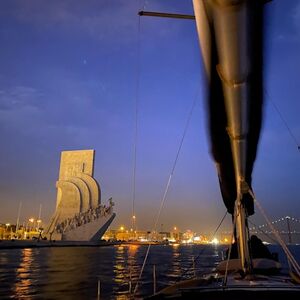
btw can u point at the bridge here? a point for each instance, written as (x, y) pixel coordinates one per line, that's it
(288, 227)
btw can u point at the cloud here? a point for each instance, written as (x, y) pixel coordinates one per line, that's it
(71, 109)
(19, 98)
(96, 19)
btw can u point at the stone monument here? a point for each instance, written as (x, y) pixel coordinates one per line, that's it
(79, 211)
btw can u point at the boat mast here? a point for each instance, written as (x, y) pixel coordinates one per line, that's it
(232, 32)
(226, 25)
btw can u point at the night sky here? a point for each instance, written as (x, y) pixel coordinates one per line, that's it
(69, 77)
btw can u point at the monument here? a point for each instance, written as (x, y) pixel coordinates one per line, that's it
(79, 214)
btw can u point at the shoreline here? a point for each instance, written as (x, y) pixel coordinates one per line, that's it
(20, 244)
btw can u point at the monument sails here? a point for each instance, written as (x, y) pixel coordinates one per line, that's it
(79, 214)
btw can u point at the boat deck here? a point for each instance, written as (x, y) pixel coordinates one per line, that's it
(212, 287)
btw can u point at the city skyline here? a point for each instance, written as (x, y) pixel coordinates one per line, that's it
(69, 81)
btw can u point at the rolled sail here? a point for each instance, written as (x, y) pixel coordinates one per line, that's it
(231, 41)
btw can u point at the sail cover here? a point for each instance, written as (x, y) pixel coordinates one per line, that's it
(231, 41)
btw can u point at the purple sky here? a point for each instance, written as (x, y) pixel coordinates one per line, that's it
(68, 81)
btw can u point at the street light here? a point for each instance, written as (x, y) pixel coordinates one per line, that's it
(134, 226)
(175, 234)
(7, 225)
(39, 221)
(31, 220)
(122, 235)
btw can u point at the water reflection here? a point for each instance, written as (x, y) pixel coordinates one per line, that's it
(175, 271)
(133, 266)
(73, 273)
(126, 270)
(120, 267)
(76, 271)
(23, 282)
(66, 272)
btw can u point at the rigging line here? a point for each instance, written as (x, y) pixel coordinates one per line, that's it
(168, 183)
(203, 249)
(176, 158)
(284, 121)
(142, 269)
(229, 250)
(220, 223)
(279, 239)
(137, 92)
(263, 232)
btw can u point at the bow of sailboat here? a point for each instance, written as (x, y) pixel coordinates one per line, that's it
(231, 36)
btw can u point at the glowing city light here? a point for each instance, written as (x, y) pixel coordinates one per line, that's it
(215, 241)
(31, 220)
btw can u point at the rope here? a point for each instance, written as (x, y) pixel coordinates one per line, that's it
(168, 184)
(289, 255)
(202, 251)
(215, 232)
(229, 251)
(263, 232)
(137, 92)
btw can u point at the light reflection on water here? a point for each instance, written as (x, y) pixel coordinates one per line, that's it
(73, 273)
(22, 286)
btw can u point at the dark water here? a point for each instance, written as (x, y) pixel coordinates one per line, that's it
(73, 273)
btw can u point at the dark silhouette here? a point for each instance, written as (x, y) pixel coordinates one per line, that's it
(256, 247)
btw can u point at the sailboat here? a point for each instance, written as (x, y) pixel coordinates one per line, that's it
(231, 41)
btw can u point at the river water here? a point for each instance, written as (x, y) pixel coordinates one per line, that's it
(74, 272)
